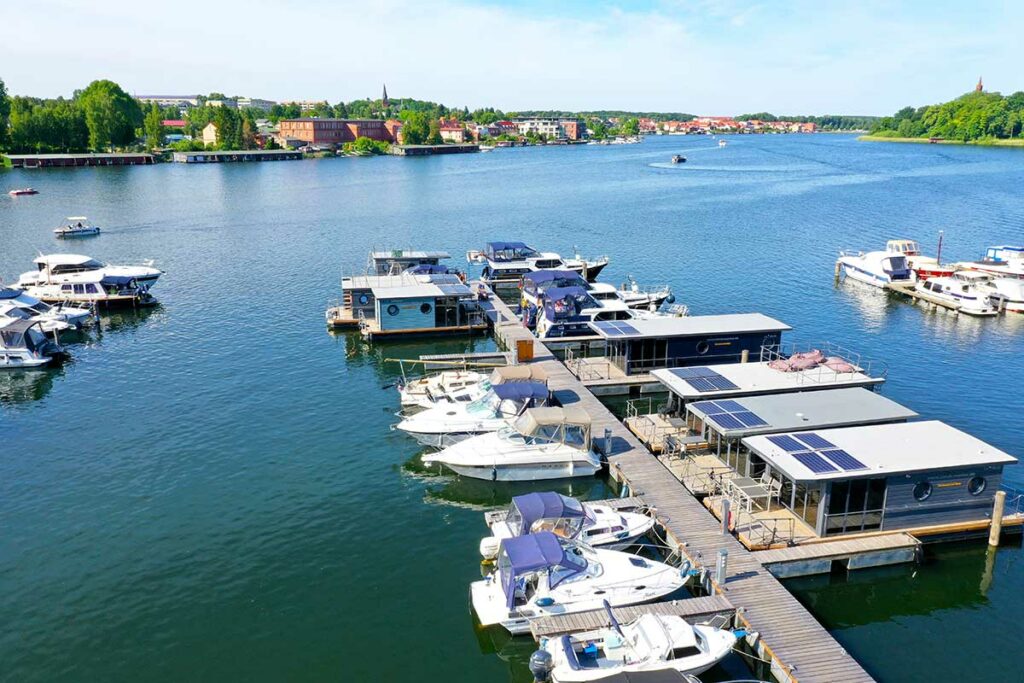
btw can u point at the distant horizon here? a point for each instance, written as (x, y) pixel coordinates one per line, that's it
(707, 57)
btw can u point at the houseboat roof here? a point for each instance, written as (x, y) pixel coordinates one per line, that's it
(697, 325)
(741, 417)
(399, 254)
(875, 451)
(748, 379)
(409, 285)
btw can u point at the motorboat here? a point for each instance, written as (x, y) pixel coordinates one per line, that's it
(9, 309)
(435, 269)
(678, 159)
(75, 316)
(594, 524)
(460, 386)
(23, 191)
(537, 576)
(875, 268)
(536, 284)
(76, 226)
(966, 290)
(447, 424)
(541, 443)
(722, 143)
(923, 266)
(1002, 261)
(94, 288)
(650, 643)
(568, 312)
(1005, 293)
(23, 344)
(62, 268)
(649, 298)
(505, 263)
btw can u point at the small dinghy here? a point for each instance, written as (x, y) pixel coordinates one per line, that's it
(537, 576)
(596, 525)
(651, 643)
(678, 159)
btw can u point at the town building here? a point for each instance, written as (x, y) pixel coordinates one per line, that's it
(552, 128)
(332, 132)
(230, 104)
(307, 105)
(452, 131)
(254, 103)
(394, 129)
(210, 135)
(179, 101)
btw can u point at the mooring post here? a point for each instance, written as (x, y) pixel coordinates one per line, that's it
(744, 355)
(607, 441)
(725, 516)
(722, 569)
(997, 518)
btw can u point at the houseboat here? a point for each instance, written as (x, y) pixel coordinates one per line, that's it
(396, 261)
(927, 477)
(505, 263)
(709, 443)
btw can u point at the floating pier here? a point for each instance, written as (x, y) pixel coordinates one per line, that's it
(694, 610)
(797, 646)
(73, 160)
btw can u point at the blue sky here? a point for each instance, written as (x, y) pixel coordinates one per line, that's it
(702, 57)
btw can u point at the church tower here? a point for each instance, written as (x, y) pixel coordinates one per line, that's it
(979, 87)
(387, 103)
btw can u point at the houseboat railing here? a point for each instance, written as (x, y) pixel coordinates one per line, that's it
(1014, 504)
(859, 520)
(764, 532)
(867, 366)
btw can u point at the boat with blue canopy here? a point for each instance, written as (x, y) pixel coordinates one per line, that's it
(505, 263)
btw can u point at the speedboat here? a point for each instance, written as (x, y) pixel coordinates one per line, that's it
(505, 263)
(1002, 261)
(876, 268)
(75, 316)
(450, 423)
(23, 344)
(91, 288)
(967, 290)
(568, 312)
(23, 191)
(678, 159)
(651, 643)
(77, 226)
(62, 268)
(595, 525)
(461, 386)
(649, 298)
(542, 443)
(536, 576)
(722, 143)
(536, 285)
(9, 309)
(923, 266)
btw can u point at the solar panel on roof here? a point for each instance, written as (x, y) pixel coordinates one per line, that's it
(627, 329)
(726, 421)
(730, 405)
(814, 462)
(787, 443)
(710, 407)
(685, 373)
(844, 460)
(721, 383)
(749, 419)
(814, 441)
(700, 384)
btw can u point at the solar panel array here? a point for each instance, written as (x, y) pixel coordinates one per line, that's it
(614, 328)
(729, 414)
(703, 379)
(816, 453)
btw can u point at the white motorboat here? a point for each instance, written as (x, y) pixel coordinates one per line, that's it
(93, 288)
(536, 576)
(542, 443)
(447, 424)
(23, 344)
(967, 290)
(9, 309)
(72, 268)
(1005, 293)
(505, 263)
(75, 316)
(535, 286)
(76, 226)
(1001, 261)
(568, 312)
(459, 386)
(648, 298)
(923, 266)
(651, 643)
(876, 268)
(596, 525)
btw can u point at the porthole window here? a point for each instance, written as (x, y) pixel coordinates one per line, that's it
(703, 347)
(425, 308)
(392, 309)
(923, 490)
(976, 485)
(364, 299)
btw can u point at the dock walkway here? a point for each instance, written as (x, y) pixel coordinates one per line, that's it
(798, 646)
(692, 609)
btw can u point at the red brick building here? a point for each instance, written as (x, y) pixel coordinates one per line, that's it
(333, 131)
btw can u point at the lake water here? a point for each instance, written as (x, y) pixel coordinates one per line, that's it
(210, 490)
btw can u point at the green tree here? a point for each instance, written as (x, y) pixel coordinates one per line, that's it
(110, 113)
(415, 127)
(630, 126)
(153, 125)
(5, 114)
(434, 137)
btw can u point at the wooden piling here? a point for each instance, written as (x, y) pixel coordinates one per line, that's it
(997, 518)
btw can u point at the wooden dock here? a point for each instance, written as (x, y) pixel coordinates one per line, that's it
(908, 289)
(799, 648)
(873, 550)
(694, 610)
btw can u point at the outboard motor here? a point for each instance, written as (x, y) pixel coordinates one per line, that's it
(541, 664)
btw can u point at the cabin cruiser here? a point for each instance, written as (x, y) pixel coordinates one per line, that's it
(76, 226)
(9, 309)
(505, 263)
(649, 298)
(459, 386)
(75, 316)
(428, 269)
(1005, 293)
(447, 424)
(537, 576)
(593, 524)
(568, 312)
(537, 283)
(62, 268)
(23, 344)
(967, 290)
(651, 643)
(541, 443)
(923, 266)
(876, 268)
(91, 288)
(1001, 261)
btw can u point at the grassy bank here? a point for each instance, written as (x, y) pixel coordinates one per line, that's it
(985, 142)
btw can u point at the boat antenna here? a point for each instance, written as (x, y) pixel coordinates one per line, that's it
(612, 619)
(938, 256)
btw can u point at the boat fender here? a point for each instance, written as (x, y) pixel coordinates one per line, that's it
(494, 473)
(546, 601)
(740, 633)
(671, 298)
(684, 568)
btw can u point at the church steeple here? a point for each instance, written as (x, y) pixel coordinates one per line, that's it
(979, 87)
(384, 99)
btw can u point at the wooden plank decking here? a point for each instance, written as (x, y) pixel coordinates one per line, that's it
(801, 649)
(839, 549)
(693, 610)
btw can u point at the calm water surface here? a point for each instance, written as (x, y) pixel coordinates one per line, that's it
(210, 490)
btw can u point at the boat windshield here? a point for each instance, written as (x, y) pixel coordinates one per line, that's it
(485, 405)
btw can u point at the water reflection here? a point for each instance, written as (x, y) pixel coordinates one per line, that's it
(871, 302)
(25, 386)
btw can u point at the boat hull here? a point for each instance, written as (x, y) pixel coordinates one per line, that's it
(526, 471)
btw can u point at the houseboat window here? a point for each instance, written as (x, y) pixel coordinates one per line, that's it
(364, 299)
(976, 485)
(855, 506)
(65, 288)
(922, 491)
(392, 309)
(703, 347)
(425, 308)
(757, 465)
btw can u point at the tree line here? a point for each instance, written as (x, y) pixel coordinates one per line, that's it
(826, 122)
(976, 116)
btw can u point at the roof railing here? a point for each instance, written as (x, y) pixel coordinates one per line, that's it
(874, 368)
